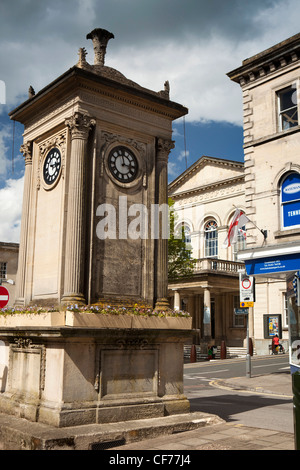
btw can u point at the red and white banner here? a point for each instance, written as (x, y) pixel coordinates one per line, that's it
(239, 220)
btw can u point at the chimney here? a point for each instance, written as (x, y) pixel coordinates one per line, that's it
(100, 38)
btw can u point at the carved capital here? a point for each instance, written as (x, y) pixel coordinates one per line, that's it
(26, 150)
(80, 125)
(164, 146)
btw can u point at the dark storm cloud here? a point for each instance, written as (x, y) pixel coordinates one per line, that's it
(184, 39)
(129, 20)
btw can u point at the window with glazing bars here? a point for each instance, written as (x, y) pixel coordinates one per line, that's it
(211, 239)
(3, 270)
(288, 108)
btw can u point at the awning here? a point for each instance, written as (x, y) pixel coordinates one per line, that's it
(272, 261)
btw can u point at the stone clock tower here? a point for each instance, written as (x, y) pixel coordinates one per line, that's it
(96, 149)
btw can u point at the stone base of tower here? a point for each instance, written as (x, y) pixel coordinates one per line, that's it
(83, 369)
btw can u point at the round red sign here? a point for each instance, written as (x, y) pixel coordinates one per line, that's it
(246, 283)
(4, 296)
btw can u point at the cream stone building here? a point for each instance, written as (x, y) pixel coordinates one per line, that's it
(8, 268)
(270, 86)
(205, 198)
(266, 188)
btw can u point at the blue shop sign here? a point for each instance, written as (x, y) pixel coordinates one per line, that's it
(290, 198)
(272, 265)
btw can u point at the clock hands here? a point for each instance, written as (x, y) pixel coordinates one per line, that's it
(122, 164)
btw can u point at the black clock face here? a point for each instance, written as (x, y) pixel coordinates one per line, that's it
(52, 165)
(123, 164)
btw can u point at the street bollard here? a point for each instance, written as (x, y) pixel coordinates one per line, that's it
(296, 408)
(250, 347)
(223, 350)
(193, 357)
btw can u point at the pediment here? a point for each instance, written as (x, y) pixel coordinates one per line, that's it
(207, 171)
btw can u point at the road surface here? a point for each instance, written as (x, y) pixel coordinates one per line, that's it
(258, 410)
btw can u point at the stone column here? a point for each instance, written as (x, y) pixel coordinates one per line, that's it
(176, 300)
(162, 154)
(206, 314)
(79, 126)
(26, 149)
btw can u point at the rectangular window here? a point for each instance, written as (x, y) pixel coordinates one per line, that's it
(3, 270)
(288, 108)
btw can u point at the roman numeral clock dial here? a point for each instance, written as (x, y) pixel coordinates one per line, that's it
(52, 166)
(123, 164)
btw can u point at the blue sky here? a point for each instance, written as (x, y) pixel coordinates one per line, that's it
(213, 139)
(192, 44)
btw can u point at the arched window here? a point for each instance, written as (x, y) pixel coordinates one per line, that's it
(183, 231)
(211, 239)
(187, 233)
(290, 201)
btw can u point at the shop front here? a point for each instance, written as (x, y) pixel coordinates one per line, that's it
(279, 262)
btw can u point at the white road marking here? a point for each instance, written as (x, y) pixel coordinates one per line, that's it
(272, 365)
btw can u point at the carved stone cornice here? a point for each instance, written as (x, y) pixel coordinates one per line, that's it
(80, 125)
(274, 59)
(26, 150)
(218, 190)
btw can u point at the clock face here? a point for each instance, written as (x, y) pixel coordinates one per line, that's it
(52, 165)
(123, 164)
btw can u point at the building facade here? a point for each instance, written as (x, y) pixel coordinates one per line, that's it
(267, 188)
(205, 198)
(8, 268)
(270, 86)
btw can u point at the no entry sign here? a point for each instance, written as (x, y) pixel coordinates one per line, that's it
(4, 296)
(247, 289)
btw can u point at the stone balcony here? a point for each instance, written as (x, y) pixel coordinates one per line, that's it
(217, 266)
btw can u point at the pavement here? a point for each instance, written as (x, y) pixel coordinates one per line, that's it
(228, 435)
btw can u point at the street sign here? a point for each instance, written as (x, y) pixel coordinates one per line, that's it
(241, 311)
(246, 304)
(4, 296)
(247, 288)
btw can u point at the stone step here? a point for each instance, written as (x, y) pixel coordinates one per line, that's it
(231, 352)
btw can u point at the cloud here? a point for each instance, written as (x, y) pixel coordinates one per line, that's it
(172, 169)
(4, 147)
(193, 44)
(11, 208)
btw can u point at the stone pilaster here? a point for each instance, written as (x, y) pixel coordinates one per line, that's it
(79, 126)
(207, 314)
(164, 147)
(26, 149)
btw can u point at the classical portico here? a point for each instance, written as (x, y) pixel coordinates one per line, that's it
(205, 197)
(210, 296)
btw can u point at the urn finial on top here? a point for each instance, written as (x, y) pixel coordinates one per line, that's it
(100, 38)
